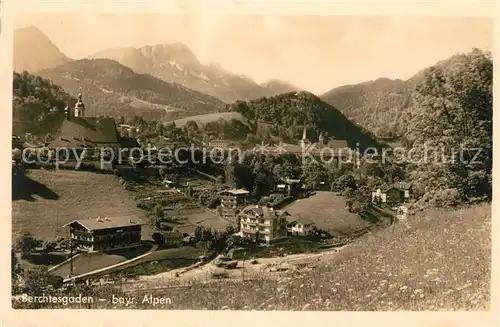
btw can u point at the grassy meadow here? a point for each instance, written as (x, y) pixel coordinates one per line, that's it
(48, 199)
(441, 263)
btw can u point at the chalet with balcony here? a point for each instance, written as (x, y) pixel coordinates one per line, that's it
(300, 226)
(263, 224)
(105, 233)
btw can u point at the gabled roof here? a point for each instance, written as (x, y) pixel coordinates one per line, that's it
(303, 220)
(128, 142)
(265, 211)
(86, 132)
(235, 191)
(393, 188)
(171, 234)
(107, 222)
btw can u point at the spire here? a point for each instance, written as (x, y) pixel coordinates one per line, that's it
(79, 107)
(67, 111)
(304, 141)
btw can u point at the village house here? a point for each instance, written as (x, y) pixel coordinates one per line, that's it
(300, 226)
(392, 195)
(218, 144)
(263, 224)
(169, 238)
(289, 186)
(102, 234)
(232, 200)
(128, 130)
(332, 149)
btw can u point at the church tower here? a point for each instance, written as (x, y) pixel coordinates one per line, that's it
(79, 107)
(304, 142)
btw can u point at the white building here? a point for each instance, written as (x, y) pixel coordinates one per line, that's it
(300, 226)
(263, 223)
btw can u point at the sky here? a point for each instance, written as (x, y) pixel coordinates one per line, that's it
(316, 53)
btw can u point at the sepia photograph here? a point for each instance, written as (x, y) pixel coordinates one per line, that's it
(251, 162)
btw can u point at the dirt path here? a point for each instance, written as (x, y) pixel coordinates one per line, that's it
(244, 268)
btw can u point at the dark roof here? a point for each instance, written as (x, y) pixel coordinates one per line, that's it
(129, 142)
(108, 222)
(86, 132)
(264, 211)
(393, 188)
(171, 234)
(235, 191)
(303, 220)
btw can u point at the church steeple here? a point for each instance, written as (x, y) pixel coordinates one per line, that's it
(304, 142)
(79, 107)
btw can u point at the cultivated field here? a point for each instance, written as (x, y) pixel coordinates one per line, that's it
(49, 199)
(328, 212)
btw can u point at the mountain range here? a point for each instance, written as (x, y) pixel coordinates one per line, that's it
(167, 81)
(33, 51)
(116, 90)
(176, 63)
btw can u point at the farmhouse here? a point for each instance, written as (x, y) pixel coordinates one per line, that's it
(289, 186)
(232, 200)
(169, 238)
(392, 195)
(263, 224)
(218, 144)
(101, 234)
(300, 226)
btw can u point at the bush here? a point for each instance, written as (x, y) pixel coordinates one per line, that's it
(445, 198)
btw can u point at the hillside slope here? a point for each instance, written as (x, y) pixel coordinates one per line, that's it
(33, 51)
(109, 88)
(379, 106)
(44, 200)
(176, 63)
(383, 106)
(442, 263)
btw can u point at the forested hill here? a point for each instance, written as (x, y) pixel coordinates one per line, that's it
(38, 104)
(384, 106)
(285, 115)
(380, 106)
(109, 88)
